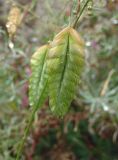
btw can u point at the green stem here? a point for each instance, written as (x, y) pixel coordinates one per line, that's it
(80, 13)
(26, 133)
(31, 118)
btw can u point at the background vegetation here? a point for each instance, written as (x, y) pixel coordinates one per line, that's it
(90, 129)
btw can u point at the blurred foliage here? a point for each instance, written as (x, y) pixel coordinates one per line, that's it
(90, 130)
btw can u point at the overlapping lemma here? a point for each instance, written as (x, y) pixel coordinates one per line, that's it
(65, 64)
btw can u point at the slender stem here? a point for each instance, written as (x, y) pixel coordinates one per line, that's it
(31, 118)
(80, 13)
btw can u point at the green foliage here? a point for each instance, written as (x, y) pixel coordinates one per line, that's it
(65, 63)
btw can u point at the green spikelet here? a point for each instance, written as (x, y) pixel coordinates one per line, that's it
(38, 79)
(65, 63)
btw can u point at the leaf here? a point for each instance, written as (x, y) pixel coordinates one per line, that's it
(65, 63)
(38, 79)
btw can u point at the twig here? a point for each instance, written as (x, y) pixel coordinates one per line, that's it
(31, 119)
(80, 13)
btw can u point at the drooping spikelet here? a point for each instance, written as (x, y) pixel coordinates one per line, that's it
(38, 80)
(14, 20)
(65, 63)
